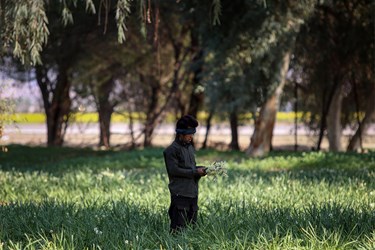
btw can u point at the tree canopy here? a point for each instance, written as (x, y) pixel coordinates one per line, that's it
(229, 57)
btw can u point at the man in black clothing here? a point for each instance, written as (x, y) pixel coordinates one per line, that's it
(183, 175)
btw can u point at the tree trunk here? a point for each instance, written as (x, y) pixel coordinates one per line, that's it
(131, 127)
(208, 126)
(56, 104)
(104, 126)
(261, 139)
(197, 95)
(105, 111)
(323, 120)
(152, 115)
(326, 108)
(354, 143)
(295, 117)
(149, 130)
(334, 128)
(234, 129)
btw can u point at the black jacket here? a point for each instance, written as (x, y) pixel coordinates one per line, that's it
(181, 167)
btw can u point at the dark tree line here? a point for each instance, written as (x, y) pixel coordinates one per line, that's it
(177, 59)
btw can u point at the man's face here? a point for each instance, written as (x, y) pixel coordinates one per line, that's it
(187, 138)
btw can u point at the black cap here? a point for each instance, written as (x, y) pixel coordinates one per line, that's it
(187, 121)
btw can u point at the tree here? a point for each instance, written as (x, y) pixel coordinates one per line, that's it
(287, 19)
(54, 76)
(224, 84)
(341, 32)
(173, 84)
(262, 37)
(99, 73)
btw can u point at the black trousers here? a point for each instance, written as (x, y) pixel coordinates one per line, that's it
(182, 211)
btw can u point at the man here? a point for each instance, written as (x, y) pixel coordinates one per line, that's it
(183, 175)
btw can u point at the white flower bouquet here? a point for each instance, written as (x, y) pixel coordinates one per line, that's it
(216, 169)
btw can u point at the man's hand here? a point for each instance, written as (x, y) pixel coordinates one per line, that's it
(201, 171)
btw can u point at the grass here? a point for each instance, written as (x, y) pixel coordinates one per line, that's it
(70, 198)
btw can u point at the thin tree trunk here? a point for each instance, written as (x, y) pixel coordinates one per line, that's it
(152, 115)
(323, 121)
(334, 128)
(149, 130)
(357, 113)
(105, 111)
(131, 127)
(234, 129)
(295, 117)
(325, 109)
(105, 114)
(208, 127)
(354, 143)
(197, 96)
(261, 139)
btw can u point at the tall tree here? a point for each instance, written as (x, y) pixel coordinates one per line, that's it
(55, 75)
(286, 18)
(263, 38)
(97, 73)
(341, 32)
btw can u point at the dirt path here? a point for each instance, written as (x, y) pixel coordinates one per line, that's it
(87, 136)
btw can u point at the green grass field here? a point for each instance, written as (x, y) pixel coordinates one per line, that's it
(82, 199)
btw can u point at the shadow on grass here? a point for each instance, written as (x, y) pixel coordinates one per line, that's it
(59, 160)
(114, 225)
(120, 225)
(313, 222)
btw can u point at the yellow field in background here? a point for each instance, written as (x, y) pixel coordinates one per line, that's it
(117, 118)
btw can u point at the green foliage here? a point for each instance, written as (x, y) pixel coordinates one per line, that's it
(122, 11)
(24, 28)
(342, 34)
(247, 50)
(83, 199)
(25, 24)
(216, 6)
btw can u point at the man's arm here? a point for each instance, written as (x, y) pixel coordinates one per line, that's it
(171, 163)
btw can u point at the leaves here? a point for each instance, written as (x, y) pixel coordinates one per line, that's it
(122, 11)
(26, 26)
(67, 16)
(90, 7)
(216, 6)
